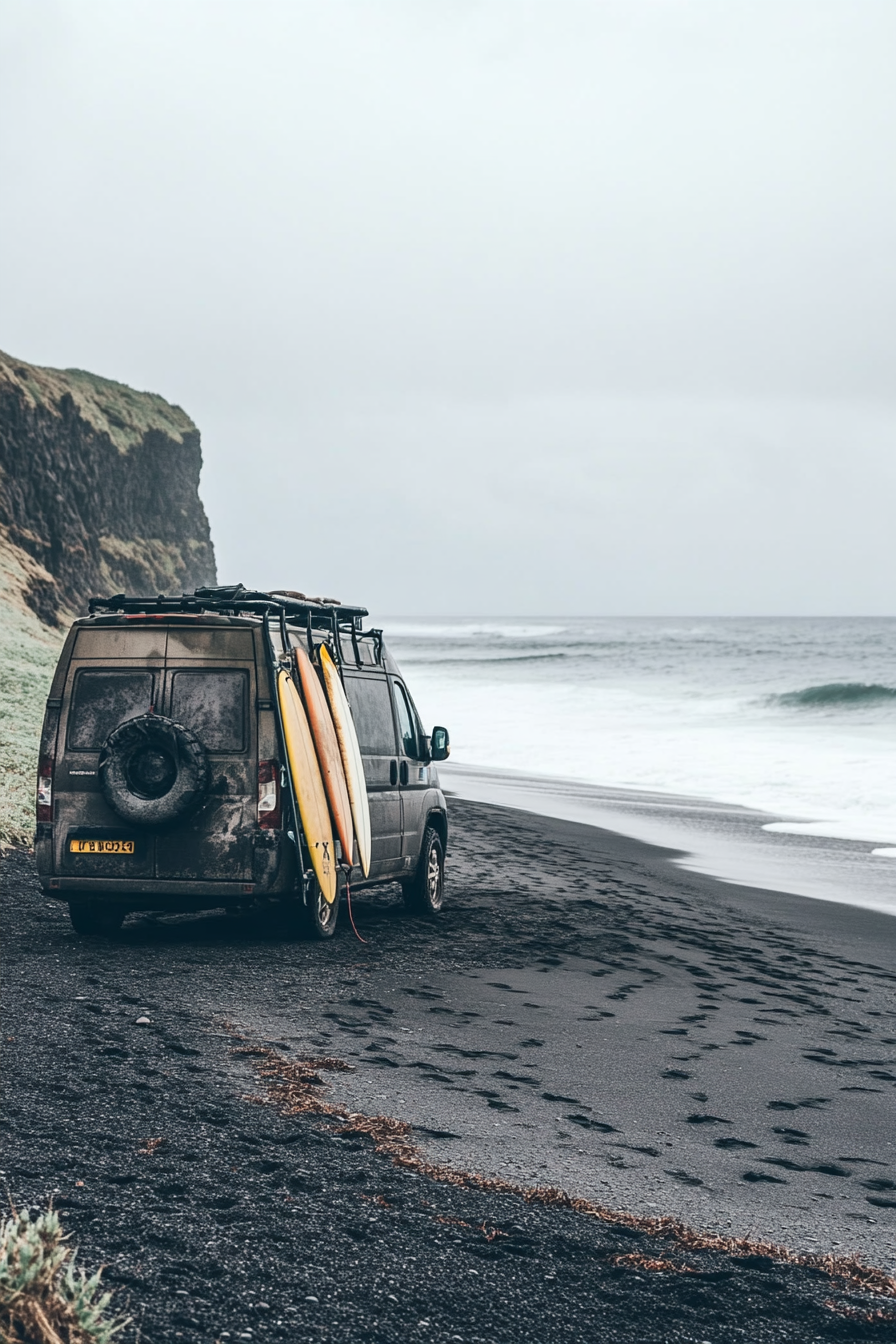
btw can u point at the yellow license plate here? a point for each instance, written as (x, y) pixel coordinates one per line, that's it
(101, 846)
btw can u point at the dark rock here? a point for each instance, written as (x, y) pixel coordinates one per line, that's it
(99, 489)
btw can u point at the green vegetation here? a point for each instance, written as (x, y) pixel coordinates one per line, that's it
(28, 654)
(43, 1298)
(112, 408)
(154, 566)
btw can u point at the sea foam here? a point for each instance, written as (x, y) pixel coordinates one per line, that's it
(712, 709)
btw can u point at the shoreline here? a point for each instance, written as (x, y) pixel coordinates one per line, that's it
(736, 845)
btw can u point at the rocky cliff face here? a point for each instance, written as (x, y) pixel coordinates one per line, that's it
(98, 491)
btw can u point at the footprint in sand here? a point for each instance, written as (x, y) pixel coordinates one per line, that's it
(585, 1122)
(474, 1054)
(372, 1003)
(811, 1103)
(684, 1178)
(795, 1136)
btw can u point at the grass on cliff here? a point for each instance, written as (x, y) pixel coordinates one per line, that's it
(112, 408)
(28, 654)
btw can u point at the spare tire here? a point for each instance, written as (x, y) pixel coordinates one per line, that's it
(153, 771)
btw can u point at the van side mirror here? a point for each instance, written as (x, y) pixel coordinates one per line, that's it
(439, 744)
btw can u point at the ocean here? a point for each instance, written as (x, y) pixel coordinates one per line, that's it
(764, 749)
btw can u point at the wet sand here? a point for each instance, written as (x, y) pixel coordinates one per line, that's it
(729, 841)
(641, 1035)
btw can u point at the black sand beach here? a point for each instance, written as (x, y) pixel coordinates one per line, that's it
(585, 1015)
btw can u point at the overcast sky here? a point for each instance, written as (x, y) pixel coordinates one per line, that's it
(483, 307)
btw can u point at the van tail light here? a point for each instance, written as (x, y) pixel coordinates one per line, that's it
(269, 795)
(45, 788)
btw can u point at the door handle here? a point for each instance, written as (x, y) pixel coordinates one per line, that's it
(393, 772)
(403, 772)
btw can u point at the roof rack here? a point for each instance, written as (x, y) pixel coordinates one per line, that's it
(236, 600)
(302, 615)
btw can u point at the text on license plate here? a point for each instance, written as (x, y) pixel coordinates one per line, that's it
(101, 846)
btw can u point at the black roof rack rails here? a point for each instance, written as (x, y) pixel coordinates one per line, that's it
(235, 600)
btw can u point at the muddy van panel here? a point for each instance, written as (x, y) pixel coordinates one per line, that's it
(220, 644)
(107, 644)
(215, 844)
(201, 676)
(99, 694)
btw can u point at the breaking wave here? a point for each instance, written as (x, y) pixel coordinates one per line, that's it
(435, 659)
(837, 693)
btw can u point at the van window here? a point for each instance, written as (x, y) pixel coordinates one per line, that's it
(213, 706)
(104, 700)
(407, 731)
(372, 713)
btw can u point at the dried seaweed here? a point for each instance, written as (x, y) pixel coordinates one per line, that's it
(294, 1087)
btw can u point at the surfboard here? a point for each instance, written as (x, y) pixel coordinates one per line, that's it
(308, 785)
(329, 757)
(351, 756)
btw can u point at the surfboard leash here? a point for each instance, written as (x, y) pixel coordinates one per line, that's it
(348, 901)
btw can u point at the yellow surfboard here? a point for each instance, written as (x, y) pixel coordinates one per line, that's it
(308, 786)
(351, 756)
(329, 757)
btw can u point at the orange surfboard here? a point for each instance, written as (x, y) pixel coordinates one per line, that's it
(328, 754)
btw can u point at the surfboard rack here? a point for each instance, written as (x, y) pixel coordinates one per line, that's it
(232, 601)
(341, 625)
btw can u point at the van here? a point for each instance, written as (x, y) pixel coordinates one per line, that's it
(162, 782)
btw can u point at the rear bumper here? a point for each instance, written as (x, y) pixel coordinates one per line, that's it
(271, 873)
(152, 893)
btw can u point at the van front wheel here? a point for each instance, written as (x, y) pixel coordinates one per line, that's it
(88, 918)
(425, 892)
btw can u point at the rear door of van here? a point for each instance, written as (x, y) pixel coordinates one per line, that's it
(203, 677)
(210, 687)
(115, 674)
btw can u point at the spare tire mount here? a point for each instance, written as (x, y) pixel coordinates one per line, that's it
(153, 771)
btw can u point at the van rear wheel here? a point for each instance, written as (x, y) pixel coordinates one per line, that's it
(88, 918)
(425, 892)
(319, 917)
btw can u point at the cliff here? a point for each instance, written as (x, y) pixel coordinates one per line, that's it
(99, 491)
(98, 494)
